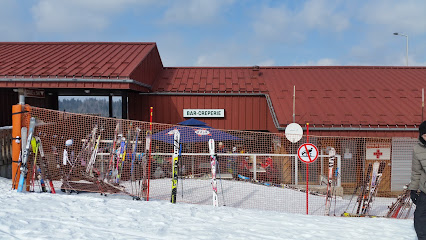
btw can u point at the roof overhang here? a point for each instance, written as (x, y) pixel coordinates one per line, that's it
(83, 83)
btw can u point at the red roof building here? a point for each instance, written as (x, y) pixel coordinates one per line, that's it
(351, 101)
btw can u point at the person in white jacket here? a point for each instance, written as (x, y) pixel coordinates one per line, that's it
(418, 183)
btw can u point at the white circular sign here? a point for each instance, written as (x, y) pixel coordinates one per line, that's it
(293, 132)
(307, 153)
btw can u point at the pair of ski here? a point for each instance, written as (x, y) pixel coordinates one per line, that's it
(175, 170)
(40, 172)
(122, 153)
(329, 194)
(370, 187)
(245, 178)
(28, 140)
(401, 208)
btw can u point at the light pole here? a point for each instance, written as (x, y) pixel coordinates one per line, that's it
(400, 34)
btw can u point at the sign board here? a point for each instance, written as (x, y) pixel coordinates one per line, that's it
(293, 132)
(378, 151)
(307, 153)
(193, 113)
(36, 93)
(203, 132)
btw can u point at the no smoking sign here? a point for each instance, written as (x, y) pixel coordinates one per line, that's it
(307, 153)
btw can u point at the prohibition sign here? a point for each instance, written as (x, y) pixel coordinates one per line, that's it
(307, 153)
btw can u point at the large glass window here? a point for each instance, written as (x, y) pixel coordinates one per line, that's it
(96, 105)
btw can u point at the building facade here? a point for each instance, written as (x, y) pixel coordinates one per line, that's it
(336, 101)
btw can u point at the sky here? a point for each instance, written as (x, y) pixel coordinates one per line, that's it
(35, 215)
(233, 33)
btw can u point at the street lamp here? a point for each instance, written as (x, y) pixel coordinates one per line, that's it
(400, 34)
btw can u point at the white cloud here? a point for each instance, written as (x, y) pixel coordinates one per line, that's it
(195, 11)
(275, 24)
(320, 62)
(215, 59)
(268, 62)
(287, 25)
(64, 16)
(323, 15)
(395, 15)
(230, 58)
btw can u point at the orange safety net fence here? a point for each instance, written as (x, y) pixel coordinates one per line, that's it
(86, 153)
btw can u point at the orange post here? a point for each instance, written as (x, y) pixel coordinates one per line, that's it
(16, 145)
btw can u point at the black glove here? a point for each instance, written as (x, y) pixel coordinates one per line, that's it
(414, 196)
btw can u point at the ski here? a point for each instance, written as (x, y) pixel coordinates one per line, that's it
(213, 165)
(24, 132)
(90, 145)
(119, 158)
(363, 196)
(378, 168)
(403, 202)
(145, 158)
(34, 145)
(329, 196)
(256, 181)
(346, 214)
(127, 149)
(89, 168)
(135, 146)
(175, 165)
(112, 151)
(25, 155)
(370, 187)
(134, 152)
(44, 173)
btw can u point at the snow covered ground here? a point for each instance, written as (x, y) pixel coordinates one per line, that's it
(92, 216)
(248, 195)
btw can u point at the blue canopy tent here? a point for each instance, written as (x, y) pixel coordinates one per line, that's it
(194, 123)
(192, 131)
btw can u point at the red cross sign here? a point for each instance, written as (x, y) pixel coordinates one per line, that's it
(378, 153)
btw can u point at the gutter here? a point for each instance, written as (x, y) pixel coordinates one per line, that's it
(76, 80)
(274, 116)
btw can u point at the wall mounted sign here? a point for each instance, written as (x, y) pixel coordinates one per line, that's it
(203, 113)
(35, 93)
(293, 132)
(378, 151)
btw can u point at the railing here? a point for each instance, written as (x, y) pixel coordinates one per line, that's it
(6, 152)
(256, 170)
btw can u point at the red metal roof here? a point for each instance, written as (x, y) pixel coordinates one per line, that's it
(212, 79)
(325, 96)
(85, 60)
(329, 96)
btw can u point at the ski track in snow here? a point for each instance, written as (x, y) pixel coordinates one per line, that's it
(92, 216)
